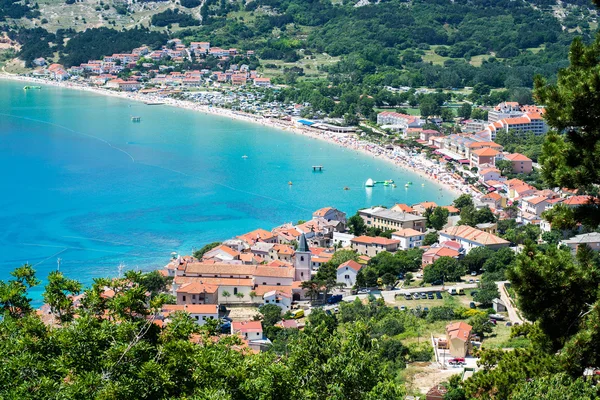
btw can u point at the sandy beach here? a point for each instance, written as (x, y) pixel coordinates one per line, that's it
(416, 163)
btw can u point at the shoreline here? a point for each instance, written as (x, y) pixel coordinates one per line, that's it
(415, 164)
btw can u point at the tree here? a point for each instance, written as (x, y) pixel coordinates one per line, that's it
(313, 288)
(438, 218)
(481, 324)
(200, 253)
(239, 295)
(13, 294)
(559, 386)
(226, 294)
(569, 160)
(544, 280)
(430, 238)
(505, 167)
(446, 269)
(487, 293)
(447, 114)
(560, 217)
(476, 258)
(341, 256)
(271, 314)
(465, 111)
(463, 201)
(357, 225)
(59, 294)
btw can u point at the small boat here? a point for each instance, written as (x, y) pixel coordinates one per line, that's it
(154, 103)
(385, 183)
(290, 183)
(422, 184)
(136, 119)
(346, 188)
(410, 183)
(406, 186)
(370, 183)
(244, 156)
(393, 185)
(31, 87)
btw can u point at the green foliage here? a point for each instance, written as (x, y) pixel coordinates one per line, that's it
(570, 160)
(487, 293)
(271, 314)
(430, 238)
(463, 201)
(357, 225)
(471, 216)
(481, 324)
(174, 16)
(555, 387)
(13, 294)
(543, 281)
(95, 43)
(446, 269)
(441, 313)
(436, 218)
(205, 249)
(59, 294)
(465, 111)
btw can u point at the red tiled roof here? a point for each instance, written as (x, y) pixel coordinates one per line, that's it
(350, 264)
(374, 240)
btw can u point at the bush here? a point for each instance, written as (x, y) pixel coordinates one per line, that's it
(442, 313)
(420, 352)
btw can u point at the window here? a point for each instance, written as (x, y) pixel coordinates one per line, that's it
(278, 284)
(346, 276)
(301, 273)
(234, 290)
(183, 298)
(197, 318)
(264, 283)
(193, 297)
(301, 258)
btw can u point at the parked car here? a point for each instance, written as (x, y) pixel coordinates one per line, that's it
(402, 308)
(473, 293)
(425, 309)
(438, 295)
(336, 298)
(416, 296)
(473, 273)
(497, 316)
(452, 291)
(424, 295)
(430, 295)
(457, 361)
(471, 281)
(364, 291)
(472, 305)
(408, 296)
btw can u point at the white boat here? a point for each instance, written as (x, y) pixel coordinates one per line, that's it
(244, 156)
(369, 183)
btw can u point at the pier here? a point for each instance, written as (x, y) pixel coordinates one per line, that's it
(317, 168)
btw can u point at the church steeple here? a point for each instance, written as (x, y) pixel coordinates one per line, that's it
(302, 259)
(303, 244)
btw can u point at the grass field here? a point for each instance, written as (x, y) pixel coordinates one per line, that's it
(309, 64)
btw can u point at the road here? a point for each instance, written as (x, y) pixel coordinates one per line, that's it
(513, 315)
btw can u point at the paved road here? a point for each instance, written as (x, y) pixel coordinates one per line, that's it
(513, 316)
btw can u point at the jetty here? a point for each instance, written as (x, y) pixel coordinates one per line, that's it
(317, 168)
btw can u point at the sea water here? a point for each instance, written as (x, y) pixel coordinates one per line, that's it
(80, 182)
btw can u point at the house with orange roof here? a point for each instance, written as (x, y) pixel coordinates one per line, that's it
(533, 206)
(458, 335)
(433, 253)
(470, 238)
(258, 235)
(489, 174)
(483, 156)
(276, 276)
(493, 200)
(281, 252)
(197, 293)
(280, 298)
(371, 246)
(251, 330)
(452, 211)
(576, 201)
(385, 219)
(420, 208)
(408, 238)
(346, 273)
(317, 261)
(200, 313)
(222, 253)
(405, 208)
(286, 234)
(331, 214)
(520, 163)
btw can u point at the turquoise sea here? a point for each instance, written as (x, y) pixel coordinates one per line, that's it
(82, 183)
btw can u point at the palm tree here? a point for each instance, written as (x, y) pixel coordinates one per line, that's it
(312, 288)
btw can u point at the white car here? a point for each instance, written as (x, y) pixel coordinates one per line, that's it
(364, 291)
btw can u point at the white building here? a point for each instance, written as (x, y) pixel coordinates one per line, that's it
(342, 239)
(346, 273)
(281, 299)
(409, 238)
(470, 238)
